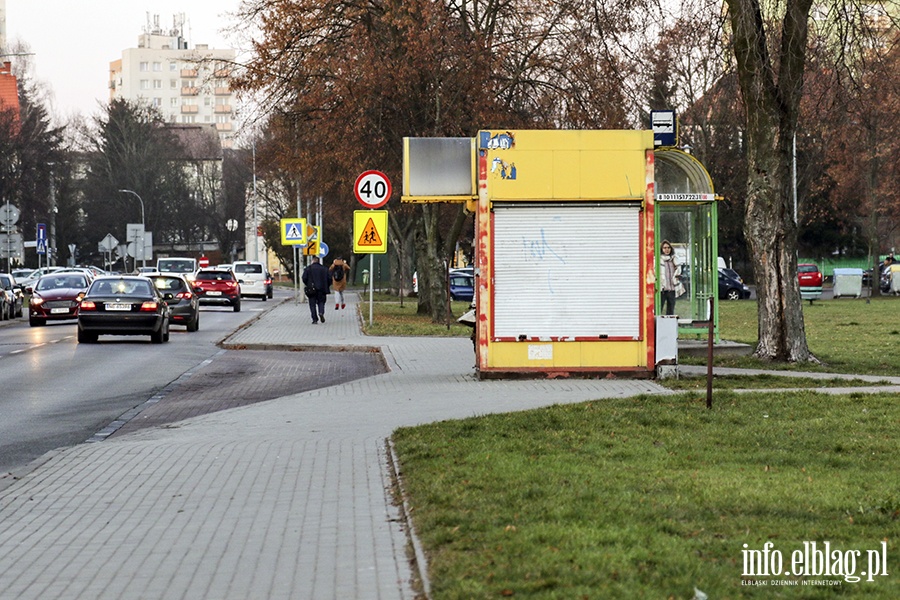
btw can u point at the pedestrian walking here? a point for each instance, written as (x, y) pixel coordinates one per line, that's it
(339, 270)
(316, 281)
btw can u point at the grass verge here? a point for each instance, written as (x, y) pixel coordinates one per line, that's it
(846, 335)
(389, 318)
(649, 497)
(761, 382)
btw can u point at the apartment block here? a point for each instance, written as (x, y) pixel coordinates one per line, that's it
(188, 85)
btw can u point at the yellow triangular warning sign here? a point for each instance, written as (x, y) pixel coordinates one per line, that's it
(369, 235)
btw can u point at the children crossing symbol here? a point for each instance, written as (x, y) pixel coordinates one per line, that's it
(370, 229)
(369, 235)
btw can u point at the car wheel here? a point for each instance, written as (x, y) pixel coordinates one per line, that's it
(157, 336)
(237, 305)
(86, 338)
(194, 324)
(733, 295)
(36, 322)
(264, 298)
(166, 334)
(19, 313)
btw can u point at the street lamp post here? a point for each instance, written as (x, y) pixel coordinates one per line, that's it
(143, 227)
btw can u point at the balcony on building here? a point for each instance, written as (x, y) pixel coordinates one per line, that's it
(187, 109)
(222, 73)
(223, 91)
(223, 126)
(190, 91)
(223, 109)
(189, 73)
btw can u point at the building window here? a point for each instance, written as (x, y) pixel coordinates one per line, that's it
(157, 84)
(221, 118)
(157, 67)
(144, 66)
(145, 84)
(157, 102)
(187, 118)
(173, 66)
(173, 84)
(173, 102)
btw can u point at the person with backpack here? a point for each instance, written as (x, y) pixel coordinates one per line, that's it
(339, 270)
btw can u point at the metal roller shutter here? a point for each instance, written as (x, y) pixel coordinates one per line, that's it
(566, 271)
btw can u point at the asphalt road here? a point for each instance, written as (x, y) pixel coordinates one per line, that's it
(56, 392)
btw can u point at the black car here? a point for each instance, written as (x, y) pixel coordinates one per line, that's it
(731, 286)
(184, 306)
(123, 305)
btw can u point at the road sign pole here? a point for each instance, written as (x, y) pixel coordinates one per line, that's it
(371, 285)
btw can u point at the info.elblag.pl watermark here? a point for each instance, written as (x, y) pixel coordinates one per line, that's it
(815, 563)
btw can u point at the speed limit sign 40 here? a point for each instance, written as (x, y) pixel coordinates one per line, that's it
(372, 189)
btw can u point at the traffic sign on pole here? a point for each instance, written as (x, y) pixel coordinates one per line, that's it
(370, 231)
(293, 232)
(372, 189)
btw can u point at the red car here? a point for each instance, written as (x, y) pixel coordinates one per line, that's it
(218, 286)
(56, 296)
(810, 281)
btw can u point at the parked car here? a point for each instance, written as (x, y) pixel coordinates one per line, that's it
(14, 296)
(251, 277)
(123, 305)
(56, 297)
(462, 287)
(184, 306)
(810, 279)
(30, 279)
(731, 286)
(217, 286)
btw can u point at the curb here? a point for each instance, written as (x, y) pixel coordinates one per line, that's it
(418, 561)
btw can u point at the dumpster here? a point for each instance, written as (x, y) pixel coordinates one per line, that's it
(895, 279)
(848, 282)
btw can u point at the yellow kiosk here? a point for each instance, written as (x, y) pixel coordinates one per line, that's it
(564, 245)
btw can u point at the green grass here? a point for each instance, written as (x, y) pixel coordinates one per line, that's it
(389, 318)
(648, 497)
(751, 382)
(846, 335)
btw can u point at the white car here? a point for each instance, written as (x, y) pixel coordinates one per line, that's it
(252, 278)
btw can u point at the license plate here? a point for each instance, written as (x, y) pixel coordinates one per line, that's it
(213, 293)
(118, 306)
(58, 311)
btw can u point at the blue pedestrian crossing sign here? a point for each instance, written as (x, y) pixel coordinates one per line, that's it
(293, 232)
(41, 238)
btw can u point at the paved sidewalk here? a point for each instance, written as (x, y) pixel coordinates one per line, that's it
(285, 499)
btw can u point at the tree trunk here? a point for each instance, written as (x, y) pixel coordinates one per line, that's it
(771, 109)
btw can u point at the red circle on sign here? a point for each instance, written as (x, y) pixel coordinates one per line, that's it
(204, 262)
(372, 189)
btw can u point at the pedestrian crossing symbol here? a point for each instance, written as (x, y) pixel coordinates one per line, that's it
(293, 232)
(370, 231)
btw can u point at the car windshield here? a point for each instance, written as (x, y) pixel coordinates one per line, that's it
(176, 266)
(168, 284)
(5, 281)
(120, 287)
(248, 269)
(215, 276)
(61, 282)
(808, 268)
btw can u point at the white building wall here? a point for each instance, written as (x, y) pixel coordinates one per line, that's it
(186, 85)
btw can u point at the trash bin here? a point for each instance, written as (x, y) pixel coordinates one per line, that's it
(895, 279)
(848, 282)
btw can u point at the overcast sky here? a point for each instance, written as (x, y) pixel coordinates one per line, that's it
(74, 41)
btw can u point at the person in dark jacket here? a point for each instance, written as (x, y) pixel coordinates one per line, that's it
(316, 279)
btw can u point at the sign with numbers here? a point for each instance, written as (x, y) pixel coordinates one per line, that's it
(372, 189)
